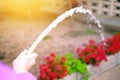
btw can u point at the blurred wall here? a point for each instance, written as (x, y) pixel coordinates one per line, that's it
(31, 8)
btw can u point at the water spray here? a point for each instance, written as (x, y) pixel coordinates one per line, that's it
(61, 18)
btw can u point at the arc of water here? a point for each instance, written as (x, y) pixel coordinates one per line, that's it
(61, 18)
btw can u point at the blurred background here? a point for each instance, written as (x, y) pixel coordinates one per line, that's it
(21, 22)
(32, 9)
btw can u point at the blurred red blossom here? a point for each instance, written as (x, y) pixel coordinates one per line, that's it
(112, 44)
(92, 53)
(53, 69)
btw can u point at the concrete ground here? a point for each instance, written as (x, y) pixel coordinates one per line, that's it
(112, 74)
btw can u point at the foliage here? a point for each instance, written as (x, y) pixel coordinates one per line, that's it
(90, 31)
(75, 65)
(47, 37)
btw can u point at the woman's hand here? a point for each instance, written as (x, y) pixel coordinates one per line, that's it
(24, 62)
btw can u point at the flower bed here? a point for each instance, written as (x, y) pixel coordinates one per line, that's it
(113, 60)
(92, 60)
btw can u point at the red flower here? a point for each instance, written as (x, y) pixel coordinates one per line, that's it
(43, 66)
(53, 68)
(53, 54)
(63, 59)
(112, 44)
(48, 71)
(53, 76)
(92, 42)
(58, 67)
(48, 58)
(78, 50)
(92, 53)
(61, 75)
(65, 70)
(102, 53)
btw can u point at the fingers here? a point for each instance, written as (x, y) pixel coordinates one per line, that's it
(23, 53)
(32, 58)
(35, 55)
(24, 61)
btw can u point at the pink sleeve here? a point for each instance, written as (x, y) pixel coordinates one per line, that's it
(25, 76)
(7, 73)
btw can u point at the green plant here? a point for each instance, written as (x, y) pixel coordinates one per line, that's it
(90, 31)
(47, 37)
(75, 65)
